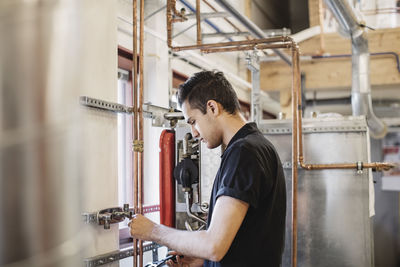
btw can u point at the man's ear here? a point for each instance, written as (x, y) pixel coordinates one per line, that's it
(214, 107)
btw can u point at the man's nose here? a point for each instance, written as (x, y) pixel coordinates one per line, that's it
(195, 133)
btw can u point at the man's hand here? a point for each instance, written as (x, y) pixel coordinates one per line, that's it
(211, 244)
(184, 261)
(141, 227)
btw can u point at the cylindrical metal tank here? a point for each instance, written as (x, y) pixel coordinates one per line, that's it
(167, 181)
(333, 208)
(40, 195)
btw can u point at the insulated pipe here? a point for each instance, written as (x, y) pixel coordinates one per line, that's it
(251, 27)
(361, 88)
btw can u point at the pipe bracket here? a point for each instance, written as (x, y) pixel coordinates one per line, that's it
(360, 167)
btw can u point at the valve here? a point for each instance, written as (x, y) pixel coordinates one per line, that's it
(186, 174)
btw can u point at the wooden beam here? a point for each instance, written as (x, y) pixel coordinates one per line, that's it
(313, 11)
(335, 73)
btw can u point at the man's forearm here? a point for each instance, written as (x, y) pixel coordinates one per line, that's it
(194, 244)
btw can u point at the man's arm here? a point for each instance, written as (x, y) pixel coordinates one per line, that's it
(211, 244)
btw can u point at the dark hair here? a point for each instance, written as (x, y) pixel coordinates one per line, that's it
(208, 85)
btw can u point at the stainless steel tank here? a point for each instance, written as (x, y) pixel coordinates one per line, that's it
(334, 225)
(40, 195)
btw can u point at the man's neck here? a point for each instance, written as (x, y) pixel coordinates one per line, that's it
(231, 125)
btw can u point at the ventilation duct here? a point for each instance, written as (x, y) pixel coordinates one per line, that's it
(361, 89)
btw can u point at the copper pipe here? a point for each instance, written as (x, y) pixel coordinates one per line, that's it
(180, 14)
(236, 43)
(388, 10)
(295, 95)
(321, 25)
(140, 158)
(198, 21)
(227, 20)
(169, 23)
(381, 9)
(248, 47)
(135, 120)
(379, 166)
(178, 20)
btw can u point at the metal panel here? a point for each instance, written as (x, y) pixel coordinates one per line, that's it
(334, 227)
(210, 159)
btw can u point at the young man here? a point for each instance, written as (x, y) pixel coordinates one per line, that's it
(246, 220)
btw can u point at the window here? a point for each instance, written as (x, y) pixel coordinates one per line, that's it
(125, 130)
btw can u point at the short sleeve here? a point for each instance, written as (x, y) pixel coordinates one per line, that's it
(243, 176)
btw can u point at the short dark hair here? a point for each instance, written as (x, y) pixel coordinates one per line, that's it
(208, 85)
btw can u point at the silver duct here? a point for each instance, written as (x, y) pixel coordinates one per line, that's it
(251, 27)
(39, 160)
(361, 89)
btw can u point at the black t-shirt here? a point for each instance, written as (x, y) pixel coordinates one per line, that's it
(251, 171)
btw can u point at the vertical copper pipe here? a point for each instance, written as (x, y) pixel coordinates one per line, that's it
(135, 120)
(321, 25)
(140, 158)
(198, 21)
(295, 96)
(300, 126)
(169, 23)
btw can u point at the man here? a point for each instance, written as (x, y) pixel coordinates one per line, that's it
(246, 220)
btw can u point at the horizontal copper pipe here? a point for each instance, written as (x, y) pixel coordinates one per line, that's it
(284, 39)
(247, 47)
(373, 165)
(178, 20)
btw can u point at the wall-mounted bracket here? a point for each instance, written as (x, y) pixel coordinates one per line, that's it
(105, 105)
(116, 255)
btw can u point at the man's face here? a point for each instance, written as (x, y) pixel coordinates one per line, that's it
(203, 126)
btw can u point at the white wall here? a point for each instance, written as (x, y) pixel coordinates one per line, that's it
(99, 140)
